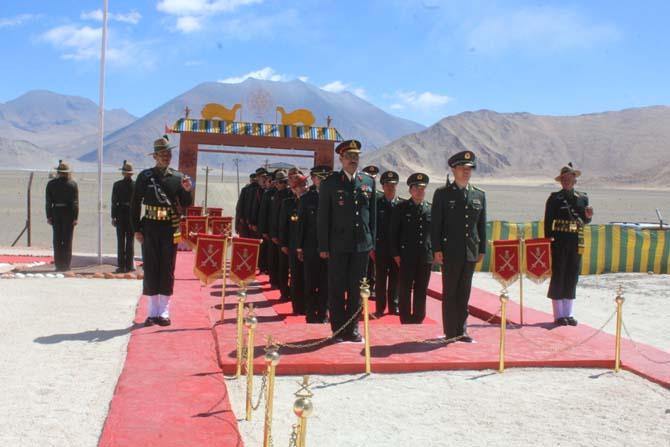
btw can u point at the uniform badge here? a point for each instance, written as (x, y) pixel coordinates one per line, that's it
(341, 202)
(467, 156)
(364, 187)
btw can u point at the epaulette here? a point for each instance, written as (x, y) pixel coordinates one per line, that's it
(478, 188)
(147, 172)
(365, 173)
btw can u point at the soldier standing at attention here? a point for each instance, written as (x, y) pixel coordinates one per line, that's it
(289, 232)
(411, 250)
(241, 218)
(264, 229)
(566, 213)
(316, 269)
(346, 235)
(386, 270)
(165, 192)
(62, 207)
(458, 233)
(122, 192)
(371, 274)
(281, 260)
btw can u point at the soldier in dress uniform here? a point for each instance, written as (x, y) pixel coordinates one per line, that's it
(386, 270)
(411, 249)
(566, 213)
(316, 269)
(241, 218)
(62, 207)
(122, 192)
(283, 192)
(346, 235)
(371, 275)
(458, 233)
(264, 229)
(289, 232)
(165, 193)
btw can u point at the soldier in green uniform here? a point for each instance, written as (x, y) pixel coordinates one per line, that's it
(458, 233)
(289, 232)
(122, 192)
(316, 269)
(165, 193)
(62, 207)
(411, 249)
(566, 213)
(346, 235)
(386, 270)
(281, 260)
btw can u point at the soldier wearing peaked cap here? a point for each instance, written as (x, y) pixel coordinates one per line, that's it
(164, 192)
(371, 274)
(458, 235)
(315, 268)
(280, 259)
(241, 218)
(264, 227)
(346, 235)
(62, 208)
(411, 249)
(566, 213)
(122, 192)
(386, 270)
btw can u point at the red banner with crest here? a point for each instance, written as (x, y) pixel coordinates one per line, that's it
(244, 259)
(210, 257)
(194, 211)
(506, 261)
(538, 259)
(214, 212)
(221, 225)
(194, 226)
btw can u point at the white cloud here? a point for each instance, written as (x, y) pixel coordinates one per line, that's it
(339, 87)
(543, 28)
(132, 17)
(81, 43)
(6, 22)
(264, 74)
(189, 24)
(425, 100)
(201, 7)
(303, 78)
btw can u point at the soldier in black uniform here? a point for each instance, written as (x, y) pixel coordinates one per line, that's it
(62, 207)
(254, 213)
(316, 269)
(264, 229)
(386, 270)
(289, 232)
(458, 231)
(241, 218)
(411, 249)
(165, 192)
(371, 274)
(283, 192)
(566, 213)
(122, 192)
(346, 235)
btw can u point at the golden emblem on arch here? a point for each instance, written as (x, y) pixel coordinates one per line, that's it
(298, 116)
(213, 110)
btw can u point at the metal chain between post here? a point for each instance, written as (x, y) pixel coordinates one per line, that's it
(323, 340)
(264, 382)
(637, 348)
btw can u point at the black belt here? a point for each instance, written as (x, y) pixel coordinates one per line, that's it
(61, 205)
(162, 213)
(566, 226)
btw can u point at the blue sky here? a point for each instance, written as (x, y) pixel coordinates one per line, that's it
(421, 60)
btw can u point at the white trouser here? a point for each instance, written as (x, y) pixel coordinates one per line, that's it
(154, 306)
(164, 306)
(562, 308)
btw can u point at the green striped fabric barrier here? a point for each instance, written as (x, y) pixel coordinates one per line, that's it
(608, 248)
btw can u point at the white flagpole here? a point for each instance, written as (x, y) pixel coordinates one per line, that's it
(101, 115)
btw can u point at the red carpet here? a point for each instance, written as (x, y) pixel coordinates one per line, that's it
(11, 259)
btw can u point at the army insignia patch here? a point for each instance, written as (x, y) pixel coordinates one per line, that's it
(364, 187)
(353, 145)
(419, 177)
(341, 203)
(467, 156)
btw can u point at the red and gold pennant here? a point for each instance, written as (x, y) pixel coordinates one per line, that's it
(194, 211)
(214, 212)
(506, 261)
(244, 259)
(194, 226)
(538, 259)
(221, 225)
(210, 257)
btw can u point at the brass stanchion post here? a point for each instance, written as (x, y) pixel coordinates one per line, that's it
(619, 319)
(503, 326)
(303, 408)
(271, 360)
(365, 295)
(241, 297)
(250, 322)
(521, 269)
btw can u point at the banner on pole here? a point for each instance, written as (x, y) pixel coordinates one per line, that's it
(506, 261)
(194, 226)
(221, 225)
(210, 257)
(538, 259)
(214, 212)
(194, 211)
(244, 259)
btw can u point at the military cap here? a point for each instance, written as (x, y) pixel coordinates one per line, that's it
(568, 169)
(280, 176)
(252, 176)
(126, 168)
(162, 144)
(418, 179)
(372, 170)
(261, 171)
(320, 171)
(389, 177)
(464, 158)
(63, 167)
(348, 146)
